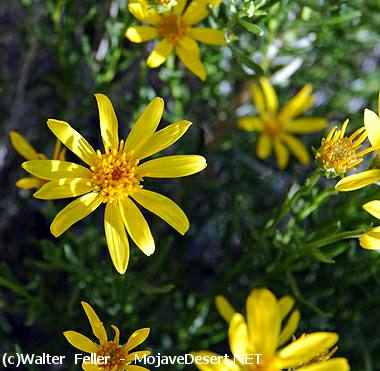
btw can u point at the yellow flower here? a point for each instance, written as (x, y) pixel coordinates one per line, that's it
(338, 153)
(120, 357)
(114, 177)
(175, 31)
(26, 150)
(264, 333)
(276, 127)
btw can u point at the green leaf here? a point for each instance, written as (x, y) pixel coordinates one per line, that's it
(251, 27)
(322, 257)
(242, 58)
(146, 288)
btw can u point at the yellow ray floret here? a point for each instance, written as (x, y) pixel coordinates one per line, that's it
(269, 324)
(107, 355)
(114, 177)
(278, 127)
(27, 151)
(176, 32)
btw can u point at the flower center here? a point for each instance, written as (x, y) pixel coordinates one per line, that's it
(172, 27)
(114, 175)
(273, 127)
(117, 356)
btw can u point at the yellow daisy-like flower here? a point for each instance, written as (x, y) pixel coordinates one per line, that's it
(114, 177)
(264, 334)
(27, 151)
(108, 355)
(175, 30)
(277, 127)
(339, 153)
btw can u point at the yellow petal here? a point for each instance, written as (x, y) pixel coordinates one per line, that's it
(195, 12)
(179, 7)
(269, 94)
(302, 101)
(163, 207)
(144, 14)
(373, 208)
(285, 304)
(137, 226)
(238, 337)
(263, 147)
(258, 100)
(89, 367)
(117, 240)
(297, 148)
(208, 36)
(372, 125)
(356, 181)
(74, 212)
(64, 188)
(117, 334)
(224, 308)
(136, 368)
(145, 125)
(202, 362)
(22, 146)
(282, 154)
(160, 53)
(335, 364)
(290, 328)
(108, 122)
(306, 125)
(250, 124)
(172, 166)
(135, 356)
(80, 342)
(371, 239)
(163, 139)
(188, 52)
(306, 348)
(96, 325)
(264, 321)
(139, 34)
(73, 141)
(29, 183)
(55, 169)
(137, 338)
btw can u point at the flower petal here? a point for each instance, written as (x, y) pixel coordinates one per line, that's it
(269, 95)
(29, 183)
(137, 338)
(160, 53)
(356, 181)
(172, 166)
(22, 146)
(117, 240)
(208, 36)
(144, 14)
(195, 12)
(108, 122)
(163, 139)
(139, 34)
(373, 208)
(371, 239)
(263, 147)
(188, 52)
(80, 342)
(297, 148)
(73, 212)
(145, 125)
(250, 124)
(238, 337)
(264, 321)
(290, 328)
(202, 362)
(137, 226)
(372, 125)
(335, 364)
(258, 100)
(89, 367)
(136, 368)
(306, 348)
(224, 308)
(285, 304)
(64, 188)
(73, 141)
(282, 154)
(136, 356)
(96, 325)
(302, 101)
(55, 169)
(163, 207)
(306, 125)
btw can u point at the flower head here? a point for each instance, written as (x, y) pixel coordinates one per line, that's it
(115, 177)
(174, 28)
(26, 150)
(264, 333)
(110, 355)
(339, 153)
(277, 127)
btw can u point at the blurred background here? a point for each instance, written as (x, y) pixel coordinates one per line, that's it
(56, 54)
